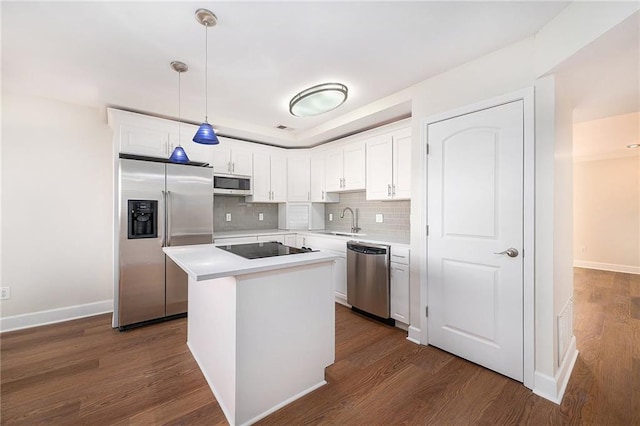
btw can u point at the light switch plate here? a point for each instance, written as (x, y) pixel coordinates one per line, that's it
(228, 217)
(330, 217)
(379, 218)
(260, 216)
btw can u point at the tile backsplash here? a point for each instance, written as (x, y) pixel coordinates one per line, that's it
(394, 228)
(244, 216)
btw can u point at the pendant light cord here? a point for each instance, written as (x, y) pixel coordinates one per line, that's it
(179, 112)
(206, 77)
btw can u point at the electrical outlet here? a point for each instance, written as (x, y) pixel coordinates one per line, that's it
(228, 217)
(379, 218)
(260, 216)
(330, 217)
(5, 293)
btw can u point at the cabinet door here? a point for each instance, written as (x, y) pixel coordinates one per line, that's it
(400, 292)
(267, 238)
(316, 186)
(354, 166)
(234, 240)
(221, 157)
(278, 178)
(402, 165)
(241, 162)
(340, 279)
(333, 170)
(298, 178)
(142, 140)
(379, 167)
(290, 240)
(261, 178)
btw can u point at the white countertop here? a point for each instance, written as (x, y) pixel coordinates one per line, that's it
(206, 261)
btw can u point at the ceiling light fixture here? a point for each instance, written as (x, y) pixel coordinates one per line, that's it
(634, 145)
(318, 99)
(205, 134)
(178, 155)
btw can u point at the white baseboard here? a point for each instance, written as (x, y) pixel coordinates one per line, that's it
(414, 335)
(52, 316)
(552, 388)
(626, 269)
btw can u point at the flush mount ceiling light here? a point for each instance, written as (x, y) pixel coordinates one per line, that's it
(205, 134)
(178, 155)
(634, 145)
(318, 99)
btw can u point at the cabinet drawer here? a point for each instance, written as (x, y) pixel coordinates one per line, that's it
(400, 255)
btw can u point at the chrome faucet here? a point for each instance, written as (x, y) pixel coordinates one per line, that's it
(354, 219)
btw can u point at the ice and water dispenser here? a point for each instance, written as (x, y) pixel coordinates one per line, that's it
(143, 219)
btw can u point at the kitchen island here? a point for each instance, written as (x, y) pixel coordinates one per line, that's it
(262, 330)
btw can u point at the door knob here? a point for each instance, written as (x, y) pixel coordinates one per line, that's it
(511, 252)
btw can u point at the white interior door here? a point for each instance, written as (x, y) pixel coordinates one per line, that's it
(475, 211)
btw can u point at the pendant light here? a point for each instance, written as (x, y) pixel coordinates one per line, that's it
(205, 134)
(178, 155)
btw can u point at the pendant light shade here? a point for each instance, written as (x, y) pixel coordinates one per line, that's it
(178, 155)
(205, 134)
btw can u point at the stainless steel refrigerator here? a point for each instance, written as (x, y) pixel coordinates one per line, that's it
(160, 204)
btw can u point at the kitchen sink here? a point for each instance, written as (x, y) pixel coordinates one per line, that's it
(342, 234)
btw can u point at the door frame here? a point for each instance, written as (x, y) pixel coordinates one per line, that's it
(527, 96)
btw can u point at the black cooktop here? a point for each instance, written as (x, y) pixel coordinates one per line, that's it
(260, 250)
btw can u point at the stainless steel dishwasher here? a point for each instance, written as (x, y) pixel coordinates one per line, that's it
(368, 278)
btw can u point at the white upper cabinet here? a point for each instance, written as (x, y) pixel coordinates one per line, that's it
(140, 134)
(388, 166)
(232, 157)
(319, 192)
(269, 177)
(345, 168)
(402, 164)
(299, 177)
(142, 140)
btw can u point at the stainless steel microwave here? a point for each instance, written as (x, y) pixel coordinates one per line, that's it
(231, 184)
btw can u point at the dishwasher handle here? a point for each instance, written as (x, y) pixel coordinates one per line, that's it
(367, 248)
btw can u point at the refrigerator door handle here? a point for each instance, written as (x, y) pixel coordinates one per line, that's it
(164, 226)
(168, 217)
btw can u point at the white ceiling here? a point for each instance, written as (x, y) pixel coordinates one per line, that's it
(260, 55)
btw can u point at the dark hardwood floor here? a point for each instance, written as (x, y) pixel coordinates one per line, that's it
(84, 372)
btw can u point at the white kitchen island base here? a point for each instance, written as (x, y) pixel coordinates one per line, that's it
(263, 339)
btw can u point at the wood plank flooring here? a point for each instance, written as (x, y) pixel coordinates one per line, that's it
(84, 372)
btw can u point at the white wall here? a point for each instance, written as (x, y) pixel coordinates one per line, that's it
(607, 215)
(57, 182)
(607, 194)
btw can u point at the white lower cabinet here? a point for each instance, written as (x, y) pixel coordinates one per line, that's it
(286, 239)
(335, 246)
(266, 238)
(340, 277)
(235, 240)
(290, 240)
(399, 302)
